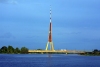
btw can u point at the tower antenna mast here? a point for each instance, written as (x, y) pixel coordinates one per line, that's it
(50, 35)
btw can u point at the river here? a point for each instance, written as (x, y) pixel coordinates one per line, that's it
(45, 60)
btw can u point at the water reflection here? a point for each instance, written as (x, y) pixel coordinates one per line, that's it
(49, 62)
(49, 55)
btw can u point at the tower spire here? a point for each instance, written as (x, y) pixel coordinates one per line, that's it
(50, 35)
(50, 31)
(50, 13)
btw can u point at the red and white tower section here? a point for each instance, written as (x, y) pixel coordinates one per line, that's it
(50, 36)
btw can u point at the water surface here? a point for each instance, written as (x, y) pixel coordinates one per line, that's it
(45, 60)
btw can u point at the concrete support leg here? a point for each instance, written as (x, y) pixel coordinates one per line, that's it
(47, 46)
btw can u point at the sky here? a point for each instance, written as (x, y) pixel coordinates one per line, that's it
(75, 23)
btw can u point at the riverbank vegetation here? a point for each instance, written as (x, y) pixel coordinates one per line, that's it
(23, 50)
(95, 52)
(11, 50)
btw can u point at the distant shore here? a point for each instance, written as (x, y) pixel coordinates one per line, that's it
(95, 52)
(11, 50)
(23, 50)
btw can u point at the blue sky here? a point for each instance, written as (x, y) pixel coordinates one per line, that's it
(75, 23)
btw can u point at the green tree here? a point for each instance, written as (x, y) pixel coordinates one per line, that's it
(0, 50)
(4, 49)
(95, 50)
(17, 50)
(24, 50)
(39, 49)
(10, 49)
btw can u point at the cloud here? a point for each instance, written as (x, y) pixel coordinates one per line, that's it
(8, 1)
(3, 1)
(6, 35)
(13, 2)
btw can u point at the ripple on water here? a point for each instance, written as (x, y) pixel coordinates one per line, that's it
(45, 60)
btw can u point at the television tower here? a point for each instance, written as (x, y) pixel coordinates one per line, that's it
(50, 35)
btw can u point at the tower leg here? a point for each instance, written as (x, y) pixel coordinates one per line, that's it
(52, 46)
(47, 46)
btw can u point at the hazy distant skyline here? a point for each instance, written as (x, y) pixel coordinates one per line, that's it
(75, 23)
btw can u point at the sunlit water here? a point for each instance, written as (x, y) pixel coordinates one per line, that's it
(45, 60)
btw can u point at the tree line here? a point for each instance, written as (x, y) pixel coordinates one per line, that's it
(11, 50)
(95, 52)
